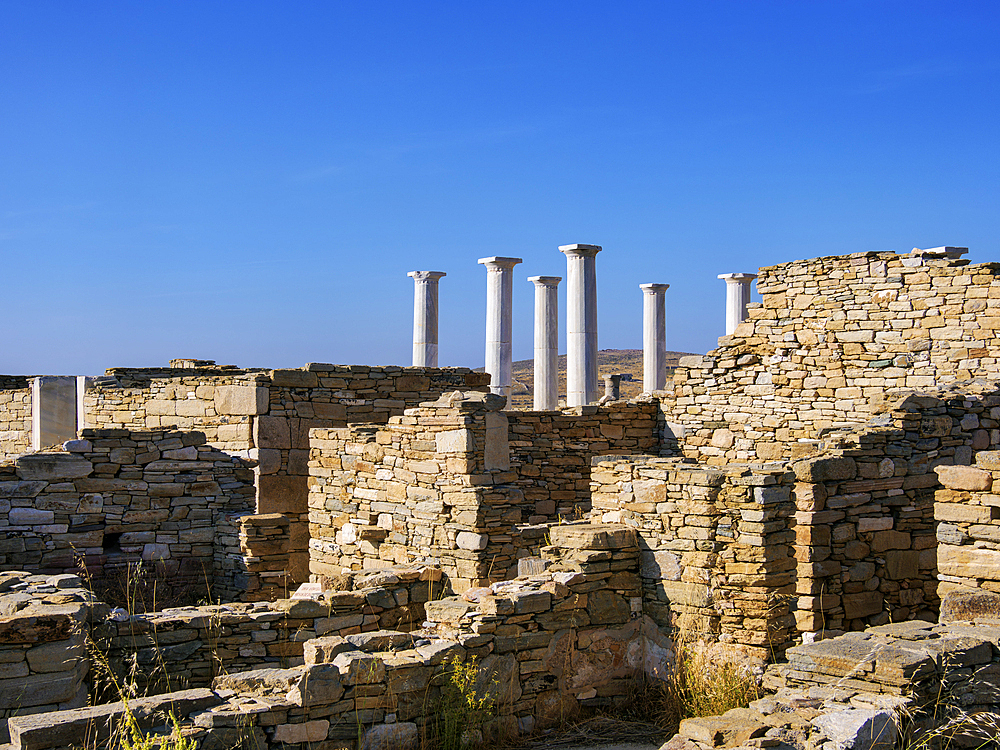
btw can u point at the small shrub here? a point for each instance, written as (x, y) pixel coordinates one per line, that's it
(462, 711)
(704, 682)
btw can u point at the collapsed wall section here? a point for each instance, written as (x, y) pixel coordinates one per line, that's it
(829, 337)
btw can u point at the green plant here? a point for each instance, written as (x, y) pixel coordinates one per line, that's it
(462, 709)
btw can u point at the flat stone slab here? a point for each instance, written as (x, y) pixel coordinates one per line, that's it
(593, 536)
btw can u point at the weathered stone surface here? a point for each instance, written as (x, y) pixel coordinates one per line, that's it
(320, 685)
(592, 536)
(966, 604)
(241, 400)
(400, 736)
(859, 729)
(968, 562)
(964, 478)
(53, 466)
(825, 469)
(308, 731)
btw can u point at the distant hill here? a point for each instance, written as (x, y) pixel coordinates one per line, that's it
(628, 361)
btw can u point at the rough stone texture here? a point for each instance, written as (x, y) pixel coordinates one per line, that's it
(122, 497)
(15, 416)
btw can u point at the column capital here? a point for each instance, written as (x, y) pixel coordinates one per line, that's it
(499, 263)
(654, 288)
(426, 275)
(580, 250)
(738, 278)
(545, 280)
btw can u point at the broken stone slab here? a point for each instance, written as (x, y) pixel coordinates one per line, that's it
(825, 469)
(968, 605)
(467, 400)
(732, 729)
(80, 727)
(592, 536)
(258, 681)
(320, 686)
(858, 729)
(964, 478)
(53, 466)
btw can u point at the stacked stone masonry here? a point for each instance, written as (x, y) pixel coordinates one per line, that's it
(828, 338)
(115, 498)
(15, 415)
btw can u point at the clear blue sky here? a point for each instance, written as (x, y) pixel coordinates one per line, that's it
(250, 182)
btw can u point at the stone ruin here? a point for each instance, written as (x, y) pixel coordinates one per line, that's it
(816, 493)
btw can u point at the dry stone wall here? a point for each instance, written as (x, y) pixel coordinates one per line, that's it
(717, 548)
(967, 511)
(830, 336)
(15, 416)
(551, 452)
(115, 498)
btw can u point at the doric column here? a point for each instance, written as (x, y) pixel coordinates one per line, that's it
(546, 342)
(425, 317)
(737, 298)
(654, 337)
(499, 301)
(581, 323)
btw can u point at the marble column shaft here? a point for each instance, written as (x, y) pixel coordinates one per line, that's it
(737, 298)
(654, 337)
(546, 385)
(425, 317)
(499, 319)
(581, 323)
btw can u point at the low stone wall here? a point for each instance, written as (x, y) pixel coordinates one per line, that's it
(115, 498)
(542, 648)
(43, 654)
(551, 452)
(15, 416)
(717, 549)
(188, 647)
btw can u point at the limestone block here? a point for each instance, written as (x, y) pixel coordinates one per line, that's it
(455, 441)
(967, 604)
(268, 460)
(272, 432)
(53, 466)
(30, 517)
(858, 729)
(964, 478)
(825, 469)
(320, 686)
(662, 565)
(157, 407)
(328, 411)
(862, 604)
(968, 562)
(402, 735)
(294, 378)
(960, 513)
(497, 450)
(279, 493)
(471, 541)
(241, 400)
(309, 731)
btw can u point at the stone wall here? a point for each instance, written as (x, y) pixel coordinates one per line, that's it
(265, 416)
(15, 416)
(432, 486)
(551, 452)
(857, 549)
(829, 337)
(542, 648)
(115, 498)
(717, 547)
(967, 512)
(43, 654)
(188, 647)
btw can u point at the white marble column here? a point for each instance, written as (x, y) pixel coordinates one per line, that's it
(425, 317)
(581, 323)
(737, 298)
(546, 342)
(499, 304)
(53, 410)
(654, 337)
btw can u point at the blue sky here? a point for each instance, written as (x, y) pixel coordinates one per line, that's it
(251, 181)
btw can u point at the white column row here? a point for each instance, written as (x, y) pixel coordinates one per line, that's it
(581, 325)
